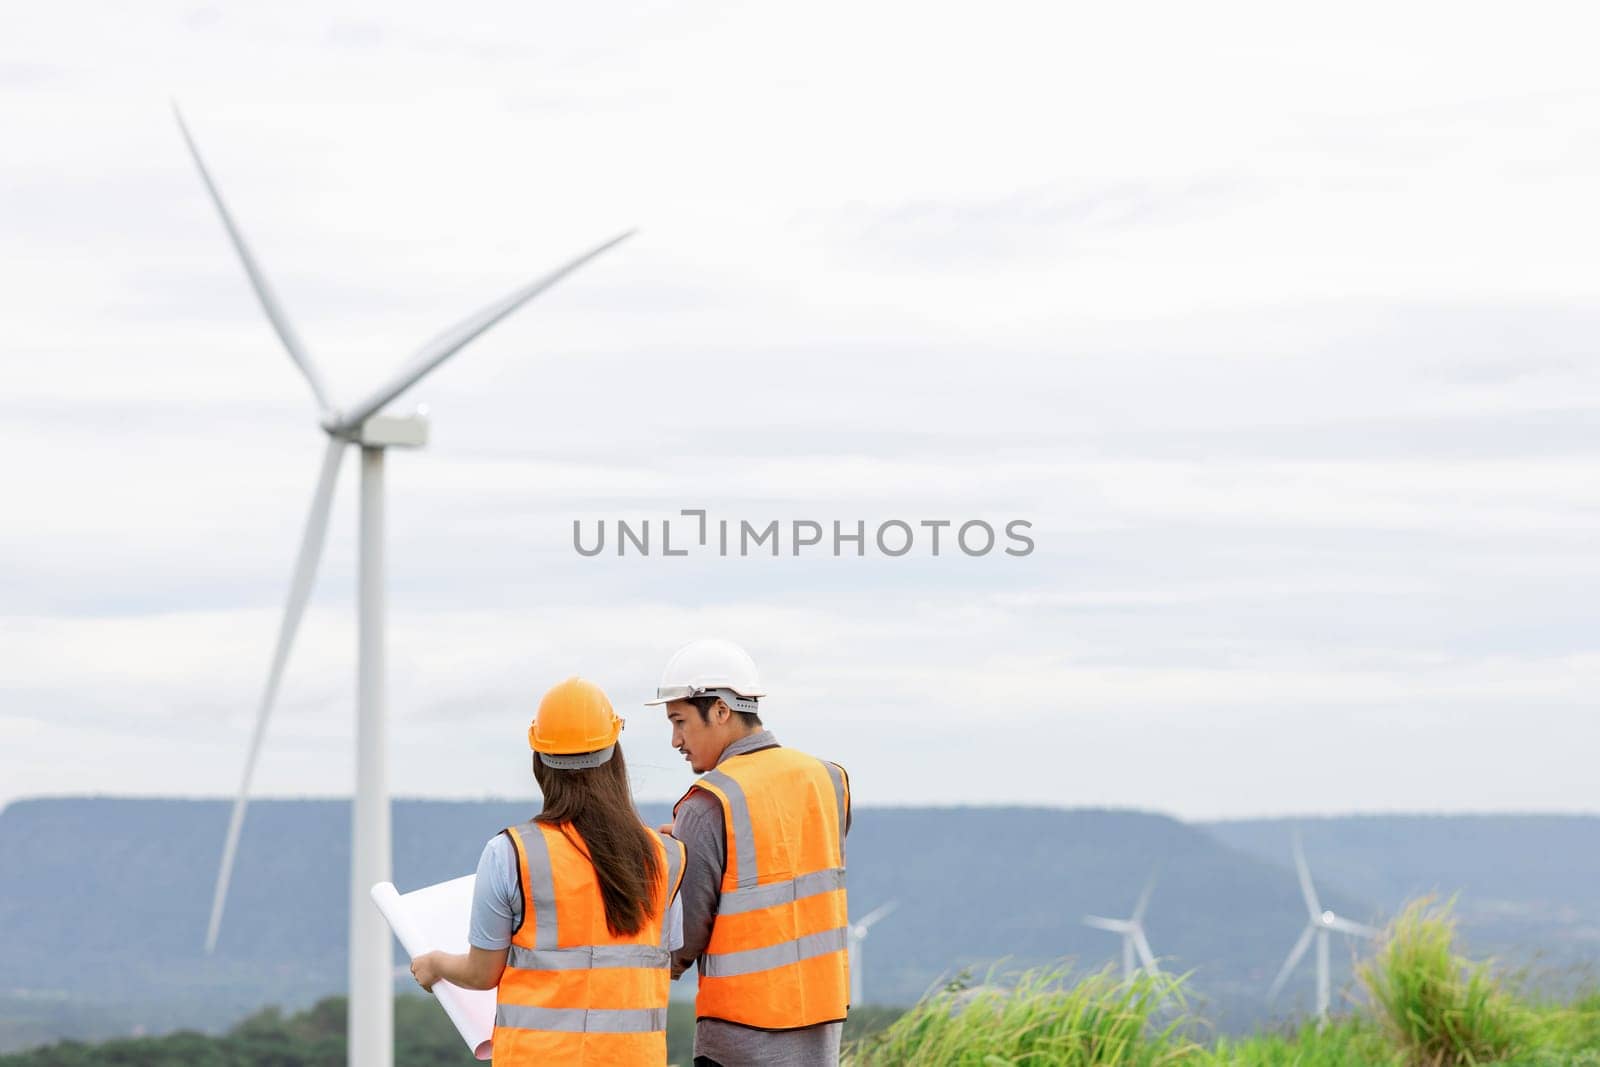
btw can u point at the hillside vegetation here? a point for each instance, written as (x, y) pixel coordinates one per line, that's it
(423, 1037)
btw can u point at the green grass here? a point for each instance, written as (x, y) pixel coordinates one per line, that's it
(1041, 1018)
(1441, 1009)
(1428, 1006)
(1345, 1043)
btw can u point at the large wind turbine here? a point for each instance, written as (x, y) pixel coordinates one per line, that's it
(1320, 923)
(857, 937)
(371, 1020)
(1132, 931)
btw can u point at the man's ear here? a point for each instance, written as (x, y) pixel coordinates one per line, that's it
(724, 713)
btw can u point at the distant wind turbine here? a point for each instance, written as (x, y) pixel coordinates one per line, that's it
(858, 936)
(1132, 930)
(371, 1018)
(1320, 923)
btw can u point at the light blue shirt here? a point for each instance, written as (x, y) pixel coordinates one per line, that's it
(497, 902)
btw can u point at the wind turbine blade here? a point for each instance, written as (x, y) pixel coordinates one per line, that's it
(1354, 929)
(1116, 926)
(878, 913)
(305, 572)
(1144, 900)
(1309, 890)
(258, 280)
(1141, 943)
(454, 339)
(1295, 955)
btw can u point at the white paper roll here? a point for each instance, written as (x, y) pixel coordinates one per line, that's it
(436, 919)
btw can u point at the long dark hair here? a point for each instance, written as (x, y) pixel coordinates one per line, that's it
(597, 803)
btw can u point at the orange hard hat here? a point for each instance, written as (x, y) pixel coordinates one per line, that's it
(575, 726)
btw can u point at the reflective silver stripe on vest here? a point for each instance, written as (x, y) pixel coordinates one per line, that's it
(730, 964)
(581, 1020)
(671, 845)
(541, 887)
(743, 859)
(774, 893)
(583, 957)
(837, 774)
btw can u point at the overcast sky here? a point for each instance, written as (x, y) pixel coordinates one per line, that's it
(1279, 329)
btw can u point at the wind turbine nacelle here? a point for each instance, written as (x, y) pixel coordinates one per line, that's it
(391, 431)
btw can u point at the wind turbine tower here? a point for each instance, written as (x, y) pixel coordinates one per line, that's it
(1320, 925)
(858, 935)
(371, 1020)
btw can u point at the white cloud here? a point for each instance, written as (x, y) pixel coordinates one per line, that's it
(1278, 328)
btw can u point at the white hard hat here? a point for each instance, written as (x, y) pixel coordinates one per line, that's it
(711, 668)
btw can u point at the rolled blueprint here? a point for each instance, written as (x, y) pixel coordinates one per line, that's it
(435, 919)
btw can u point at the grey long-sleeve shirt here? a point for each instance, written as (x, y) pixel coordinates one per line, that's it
(698, 824)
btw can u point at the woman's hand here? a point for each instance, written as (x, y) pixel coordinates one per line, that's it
(425, 969)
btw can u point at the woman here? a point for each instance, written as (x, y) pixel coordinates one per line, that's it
(572, 911)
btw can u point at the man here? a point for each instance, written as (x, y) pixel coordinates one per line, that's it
(764, 910)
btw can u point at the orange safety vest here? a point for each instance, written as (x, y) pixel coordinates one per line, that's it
(778, 956)
(573, 992)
